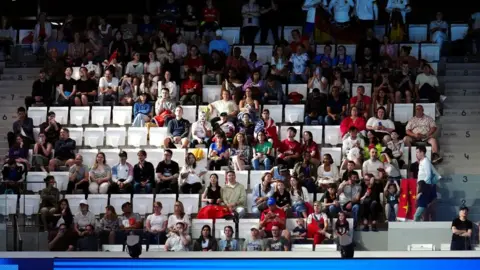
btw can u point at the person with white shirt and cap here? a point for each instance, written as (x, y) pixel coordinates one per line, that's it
(402, 6)
(341, 11)
(438, 29)
(367, 13)
(311, 7)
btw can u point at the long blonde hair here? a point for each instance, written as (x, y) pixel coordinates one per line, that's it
(95, 164)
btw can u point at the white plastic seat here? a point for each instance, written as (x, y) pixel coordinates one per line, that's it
(132, 155)
(101, 115)
(190, 113)
(36, 132)
(211, 93)
(76, 73)
(264, 53)
(35, 181)
(61, 114)
(326, 247)
(294, 113)
(203, 162)
(351, 50)
(332, 135)
(29, 204)
(284, 132)
(249, 202)
(276, 112)
(402, 112)
(197, 225)
(112, 248)
(79, 116)
(190, 202)
(221, 177)
(417, 32)
(157, 136)
(321, 48)
(405, 154)
(62, 180)
(89, 156)
(116, 200)
(458, 31)
(115, 136)
(244, 226)
(421, 247)
(317, 133)
(122, 115)
(242, 178)
(179, 155)
(300, 88)
(302, 247)
(137, 136)
(111, 156)
(154, 156)
(143, 203)
(76, 134)
(428, 109)
(413, 153)
(94, 136)
(430, 52)
(97, 203)
(256, 178)
(8, 204)
(168, 202)
(367, 86)
(415, 49)
(220, 227)
(445, 247)
(38, 115)
(231, 34)
(74, 201)
(335, 152)
(403, 173)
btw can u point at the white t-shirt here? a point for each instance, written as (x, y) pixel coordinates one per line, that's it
(310, 7)
(174, 242)
(225, 106)
(173, 220)
(422, 79)
(193, 178)
(199, 130)
(299, 62)
(153, 67)
(180, 50)
(370, 166)
(350, 143)
(374, 122)
(341, 9)
(104, 83)
(156, 221)
(171, 86)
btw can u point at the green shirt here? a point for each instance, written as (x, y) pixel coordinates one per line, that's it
(263, 148)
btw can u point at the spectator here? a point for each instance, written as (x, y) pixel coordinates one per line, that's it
(108, 87)
(327, 173)
(119, 46)
(135, 67)
(370, 199)
(191, 175)
(299, 61)
(193, 60)
(179, 239)
(289, 151)
(141, 47)
(83, 218)
(164, 108)
(219, 44)
(355, 120)
(63, 240)
(406, 57)
(19, 152)
(178, 130)
(86, 89)
(361, 102)
(42, 153)
(388, 49)
(54, 66)
(94, 45)
(41, 91)
(178, 215)
(215, 69)
(250, 14)
(352, 147)
(225, 105)
(330, 201)
(324, 60)
(461, 231)
(254, 65)
(261, 193)
(190, 25)
(143, 174)
(438, 29)
(42, 33)
(404, 81)
(13, 177)
(255, 242)
(152, 67)
(403, 7)
(191, 90)
(167, 174)
(130, 223)
(67, 88)
(279, 64)
(122, 176)
(129, 29)
(422, 128)
(381, 99)
(100, 175)
(262, 152)
(340, 11)
(299, 197)
(156, 225)
(237, 62)
(297, 40)
(228, 244)
(316, 107)
(141, 111)
(64, 151)
(212, 198)
(51, 128)
(349, 196)
(233, 195)
(108, 225)
(269, 16)
(59, 43)
(367, 13)
(392, 194)
(380, 125)
(22, 127)
(49, 197)
(277, 242)
(282, 196)
(218, 153)
(78, 176)
(426, 85)
(371, 42)
(240, 152)
(272, 217)
(372, 165)
(201, 131)
(336, 108)
(317, 224)
(306, 171)
(7, 36)
(76, 50)
(310, 6)
(343, 233)
(170, 84)
(206, 242)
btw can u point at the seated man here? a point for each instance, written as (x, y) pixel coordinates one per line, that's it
(422, 128)
(273, 91)
(177, 130)
(13, 177)
(167, 175)
(89, 241)
(277, 242)
(22, 127)
(78, 176)
(272, 216)
(42, 90)
(51, 128)
(361, 102)
(289, 150)
(130, 223)
(349, 196)
(234, 195)
(64, 151)
(122, 176)
(143, 174)
(191, 90)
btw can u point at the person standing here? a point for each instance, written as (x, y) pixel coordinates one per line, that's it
(269, 20)
(367, 13)
(461, 231)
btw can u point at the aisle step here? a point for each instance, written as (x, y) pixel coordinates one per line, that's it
(462, 66)
(21, 71)
(462, 92)
(463, 72)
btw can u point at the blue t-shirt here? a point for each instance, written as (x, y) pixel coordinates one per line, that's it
(322, 58)
(220, 45)
(336, 105)
(213, 147)
(347, 60)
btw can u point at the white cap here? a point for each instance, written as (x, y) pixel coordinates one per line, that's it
(254, 227)
(219, 33)
(84, 202)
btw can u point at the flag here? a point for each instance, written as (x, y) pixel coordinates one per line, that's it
(407, 203)
(113, 56)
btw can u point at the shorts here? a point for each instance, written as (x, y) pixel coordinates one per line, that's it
(59, 162)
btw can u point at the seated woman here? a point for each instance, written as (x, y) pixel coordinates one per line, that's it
(49, 197)
(201, 131)
(164, 109)
(318, 81)
(141, 111)
(341, 82)
(149, 87)
(381, 99)
(317, 224)
(212, 197)
(233, 85)
(279, 64)
(131, 88)
(327, 173)
(343, 62)
(262, 152)
(255, 83)
(299, 197)
(19, 152)
(156, 225)
(224, 105)
(191, 175)
(354, 120)
(67, 89)
(380, 126)
(178, 215)
(282, 197)
(310, 146)
(135, 67)
(206, 242)
(170, 84)
(108, 225)
(249, 105)
(100, 175)
(261, 192)
(152, 67)
(240, 152)
(218, 152)
(370, 199)
(268, 126)
(62, 215)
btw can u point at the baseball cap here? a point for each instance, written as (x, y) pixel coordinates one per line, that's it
(223, 114)
(219, 33)
(122, 154)
(254, 227)
(83, 202)
(271, 201)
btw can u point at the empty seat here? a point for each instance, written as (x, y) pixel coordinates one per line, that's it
(445, 247)
(417, 32)
(415, 49)
(101, 115)
(221, 177)
(8, 204)
(89, 156)
(116, 200)
(137, 136)
(111, 156)
(244, 226)
(190, 113)
(190, 202)
(406, 154)
(231, 34)
(79, 116)
(300, 88)
(421, 247)
(458, 31)
(155, 156)
(179, 156)
(97, 203)
(428, 109)
(122, 115)
(367, 86)
(143, 204)
(302, 247)
(317, 133)
(35, 181)
(413, 153)
(204, 161)
(332, 135)
(350, 49)
(29, 204)
(220, 227)
(76, 134)
(155, 248)
(197, 225)
(168, 202)
(402, 112)
(211, 93)
(38, 115)
(294, 113)
(112, 248)
(61, 114)
(157, 136)
(320, 49)
(74, 201)
(326, 247)
(249, 202)
(62, 180)
(264, 53)
(284, 132)
(430, 52)
(94, 136)
(115, 136)
(256, 178)
(276, 112)
(242, 178)
(335, 152)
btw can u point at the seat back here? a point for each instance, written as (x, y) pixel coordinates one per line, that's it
(35, 181)
(221, 177)
(220, 227)
(74, 201)
(294, 113)
(38, 115)
(61, 114)
(264, 53)
(430, 52)
(101, 115)
(417, 32)
(115, 136)
(116, 200)
(62, 180)
(122, 115)
(97, 203)
(276, 112)
(168, 202)
(256, 178)
(317, 133)
(402, 112)
(137, 136)
(245, 225)
(143, 203)
(76, 134)
(335, 152)
(284, 132)
(157, 136)
(190, 113)
(94, 136)
(8, 204)
(190, 202)
(197, 225)
(29, 204)
(333, 135)
(79, 116)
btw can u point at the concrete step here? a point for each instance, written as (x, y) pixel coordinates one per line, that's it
(462, 66)
(459, 119)
(460, 105)
(461, 84)
(19, 71)
(462, 99)
(459, 79)
(457, 127)
(18, 77)
(462, 112)
(462, 92)
(465, 157)
(458, 137)
(25, 83)
(448, 169)
(464, 72)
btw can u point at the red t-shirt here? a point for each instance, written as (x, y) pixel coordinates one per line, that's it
(189, 84)
(210, 14)
(286, 145)
(280, 213)
(312, 147)
(362, 105)
(294, 45)
(194, 63)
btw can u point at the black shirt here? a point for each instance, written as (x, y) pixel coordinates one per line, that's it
(282, 200)
(272, 16)
(218, 66)
(463, 226)
(68, 84)
(86, 86)
(170, 11)
(65, 149)
(52, 134)
(375, 191)
(402, 82)
(191, 18)
(145, 173)
(42, 89)
(168, 169)
(330, 197)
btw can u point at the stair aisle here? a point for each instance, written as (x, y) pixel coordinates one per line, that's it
(459, 140)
